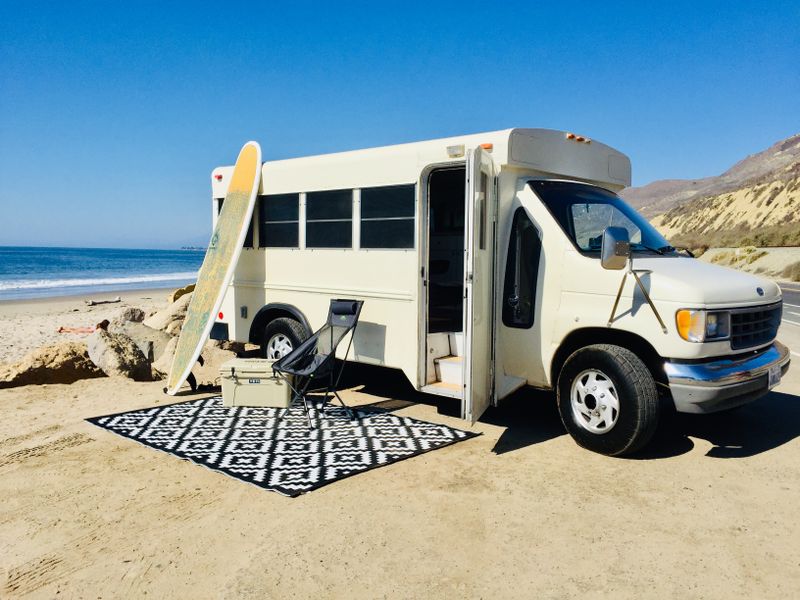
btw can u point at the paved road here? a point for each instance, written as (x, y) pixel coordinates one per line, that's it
(790, 324)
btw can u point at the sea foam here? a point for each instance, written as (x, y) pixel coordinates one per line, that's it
(42, 284)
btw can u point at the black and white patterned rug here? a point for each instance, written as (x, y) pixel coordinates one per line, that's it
(284, 456)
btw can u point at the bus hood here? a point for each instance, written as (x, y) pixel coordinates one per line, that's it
(700, 284)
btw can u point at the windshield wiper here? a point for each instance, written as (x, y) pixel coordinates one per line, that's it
(678, 249)
(661, 251)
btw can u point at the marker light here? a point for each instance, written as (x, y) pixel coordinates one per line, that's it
(702, 326)
(218, 176)
(455, 151)
(220, 316)
(487, 147)
(578, 138)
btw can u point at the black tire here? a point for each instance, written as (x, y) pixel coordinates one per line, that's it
(290, 329)
(633, 387)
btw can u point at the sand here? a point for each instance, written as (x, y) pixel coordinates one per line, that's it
(766, 262)
(710, 511)
(28, 324)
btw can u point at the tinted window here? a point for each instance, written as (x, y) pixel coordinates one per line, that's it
(397, 233)
(387, 216)
(335, 204)
(329, 234)
(482, 211)
(387, 202)
(522, 269)
(590, 219)
(329, 219)
(248, 239)
(584, 211)
(280, 207)
(279, 221)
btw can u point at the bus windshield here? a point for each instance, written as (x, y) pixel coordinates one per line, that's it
(584, 211)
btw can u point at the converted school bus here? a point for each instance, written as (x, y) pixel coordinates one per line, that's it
(479, 261)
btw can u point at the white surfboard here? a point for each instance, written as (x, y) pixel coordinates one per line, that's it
(219, 264)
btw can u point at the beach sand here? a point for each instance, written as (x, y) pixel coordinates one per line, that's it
(710, 511)
(28, 324)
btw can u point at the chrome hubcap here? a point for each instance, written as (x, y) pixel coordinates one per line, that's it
(279, 346)
(594, 401)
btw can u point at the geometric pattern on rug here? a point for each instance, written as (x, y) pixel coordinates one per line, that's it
(284, 456)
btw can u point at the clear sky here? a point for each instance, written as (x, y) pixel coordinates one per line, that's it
(113, 114)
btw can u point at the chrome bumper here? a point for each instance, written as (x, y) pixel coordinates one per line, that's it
(723, 383)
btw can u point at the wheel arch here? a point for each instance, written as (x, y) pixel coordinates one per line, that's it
(272, 311)
(599, 335)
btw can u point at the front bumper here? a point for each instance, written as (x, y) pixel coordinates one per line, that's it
(704, 387)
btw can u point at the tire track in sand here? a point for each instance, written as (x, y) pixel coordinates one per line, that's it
(62, 443)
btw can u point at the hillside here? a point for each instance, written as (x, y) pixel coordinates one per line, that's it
(757, 201)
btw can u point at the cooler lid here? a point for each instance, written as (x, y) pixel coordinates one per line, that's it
(247, 367)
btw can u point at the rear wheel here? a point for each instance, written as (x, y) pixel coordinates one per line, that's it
(608, 400)
(281, 336)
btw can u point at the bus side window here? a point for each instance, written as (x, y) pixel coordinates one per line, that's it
(248, 240)
(329, 219)
(279, 221)
(522, 268)
(387, 217)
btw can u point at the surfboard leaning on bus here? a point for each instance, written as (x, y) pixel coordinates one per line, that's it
(218, 265)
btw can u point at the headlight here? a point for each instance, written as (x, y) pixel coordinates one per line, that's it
(702, 325)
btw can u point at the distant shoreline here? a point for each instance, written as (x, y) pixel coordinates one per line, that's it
(68, 299)
(88, 293)
(122, 248)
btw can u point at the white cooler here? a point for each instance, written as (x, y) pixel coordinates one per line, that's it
(249, 382)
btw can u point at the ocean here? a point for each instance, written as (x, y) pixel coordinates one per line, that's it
(29, 272)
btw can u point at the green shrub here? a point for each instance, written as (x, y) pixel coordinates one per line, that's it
(755, 256)
(792, 272)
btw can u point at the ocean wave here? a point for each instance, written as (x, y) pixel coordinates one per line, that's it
(43, 284)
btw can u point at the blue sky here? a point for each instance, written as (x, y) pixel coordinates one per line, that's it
(112, 115)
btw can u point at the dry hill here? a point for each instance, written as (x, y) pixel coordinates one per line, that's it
(757, 201)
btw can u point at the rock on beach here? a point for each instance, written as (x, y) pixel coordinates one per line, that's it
(67, 362)
(152, 342)
(118, 356)
(170, 319)
(187, 289)
(131, 314)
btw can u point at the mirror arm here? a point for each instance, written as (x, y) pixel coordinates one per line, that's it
(644, 293)
(616, 300)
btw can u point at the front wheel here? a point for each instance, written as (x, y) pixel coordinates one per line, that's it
(281, 336)
(608, 400)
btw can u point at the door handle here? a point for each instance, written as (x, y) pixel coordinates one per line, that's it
(513, 301)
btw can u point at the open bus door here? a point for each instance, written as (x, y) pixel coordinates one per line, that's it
(478, 329)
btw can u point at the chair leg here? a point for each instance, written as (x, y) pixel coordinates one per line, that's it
(308, 412)
(325, 400)
(299, 394)
(347, 408)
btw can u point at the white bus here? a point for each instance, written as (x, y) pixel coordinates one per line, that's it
(487, 262)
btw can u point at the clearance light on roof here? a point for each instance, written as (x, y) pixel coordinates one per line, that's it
(218, 176)
(578, 138)
(487, 147)
(455, 151)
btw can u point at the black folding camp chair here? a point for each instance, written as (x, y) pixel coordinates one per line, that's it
(314, 360)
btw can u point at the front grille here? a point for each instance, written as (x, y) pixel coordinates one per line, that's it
(755, 326)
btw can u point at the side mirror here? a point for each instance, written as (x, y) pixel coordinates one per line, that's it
(615, 249)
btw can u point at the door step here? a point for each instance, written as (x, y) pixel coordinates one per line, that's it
(450, 369)
(456, 343)
(452, 390)
(438, 347)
